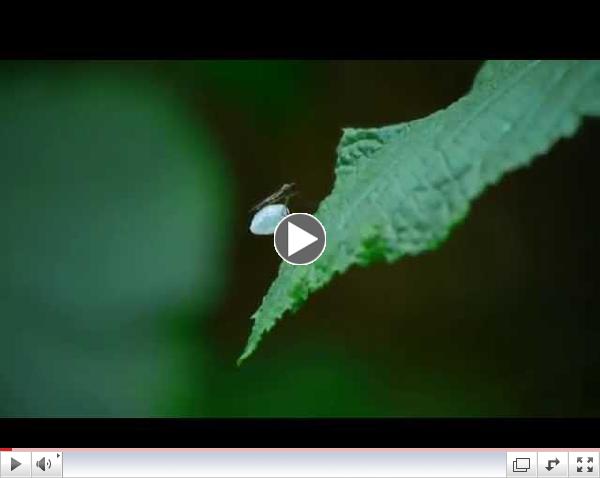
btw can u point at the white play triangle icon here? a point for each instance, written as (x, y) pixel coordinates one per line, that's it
(298, 239)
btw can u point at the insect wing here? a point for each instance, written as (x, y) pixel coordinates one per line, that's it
(265, 221)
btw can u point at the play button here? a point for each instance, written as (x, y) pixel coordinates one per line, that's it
(299, 239)
(15, 463)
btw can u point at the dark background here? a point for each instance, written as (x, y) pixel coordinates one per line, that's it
(130, 274)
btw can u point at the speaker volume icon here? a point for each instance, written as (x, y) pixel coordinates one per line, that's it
(43, 464)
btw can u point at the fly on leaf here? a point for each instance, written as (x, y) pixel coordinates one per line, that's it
(271, 210)
(284, 193)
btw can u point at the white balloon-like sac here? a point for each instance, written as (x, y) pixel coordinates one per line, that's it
(265, 221)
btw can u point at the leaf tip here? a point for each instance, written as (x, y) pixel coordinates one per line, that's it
(246, 353)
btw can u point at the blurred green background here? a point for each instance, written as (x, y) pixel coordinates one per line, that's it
(129, 275)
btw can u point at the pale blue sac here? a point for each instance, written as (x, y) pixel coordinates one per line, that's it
(265, 221)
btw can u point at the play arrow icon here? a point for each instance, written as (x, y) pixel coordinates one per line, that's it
(14, 464)
(298, 239)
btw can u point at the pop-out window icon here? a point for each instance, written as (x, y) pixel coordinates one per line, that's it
(521, 465)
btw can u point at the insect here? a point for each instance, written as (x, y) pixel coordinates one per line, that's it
(285, 192)
(270, 211)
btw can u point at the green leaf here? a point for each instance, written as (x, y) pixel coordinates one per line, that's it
(400, 189)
